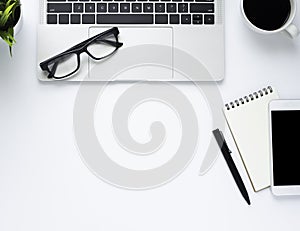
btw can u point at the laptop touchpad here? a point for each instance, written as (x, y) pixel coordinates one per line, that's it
(146, 54)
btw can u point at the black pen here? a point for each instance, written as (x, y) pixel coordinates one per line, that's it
(228, 158)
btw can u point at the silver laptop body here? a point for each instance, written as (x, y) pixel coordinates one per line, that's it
(163, 40)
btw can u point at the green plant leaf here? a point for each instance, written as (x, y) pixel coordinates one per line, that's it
(7, 22)
(8, 37)
(6, 14)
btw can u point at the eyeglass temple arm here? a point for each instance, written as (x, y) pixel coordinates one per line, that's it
(91, 39)
(112, 43)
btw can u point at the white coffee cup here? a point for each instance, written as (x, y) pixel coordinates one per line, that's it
(288, 28)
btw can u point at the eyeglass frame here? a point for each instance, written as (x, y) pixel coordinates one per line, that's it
(82, 48)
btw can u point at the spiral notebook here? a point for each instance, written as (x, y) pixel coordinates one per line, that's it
(247, 118)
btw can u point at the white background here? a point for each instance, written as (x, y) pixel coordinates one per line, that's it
(45, 186)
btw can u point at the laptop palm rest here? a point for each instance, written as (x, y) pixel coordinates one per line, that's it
(146, 54)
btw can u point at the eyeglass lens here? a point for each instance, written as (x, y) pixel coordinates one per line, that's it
(64, 65)
(102, 47)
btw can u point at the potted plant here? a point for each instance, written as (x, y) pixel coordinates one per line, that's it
(10, 13)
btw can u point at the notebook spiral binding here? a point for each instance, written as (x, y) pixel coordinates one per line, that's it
(251, 97)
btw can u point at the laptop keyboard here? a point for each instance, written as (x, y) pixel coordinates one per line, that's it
(188, 12)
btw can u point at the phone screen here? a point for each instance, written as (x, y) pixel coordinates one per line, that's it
(286, 147)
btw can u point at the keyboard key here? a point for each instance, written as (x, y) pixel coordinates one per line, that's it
(183, 7)
(174, 19)
(78, 7)
(113, 7)
(125, 19)
(75, 19)
(59, 7)
(159, 7)
(161, 19)
(51, 19)
(101, 7)
(125, 7)
(136, 7)
(90, 7)
(64, 19)
(209, 19)
(197, 19)
(202, 8)
(148, 7)
(171, 7)
(185, 19)
(88, 19)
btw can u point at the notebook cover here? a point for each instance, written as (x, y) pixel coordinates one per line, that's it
(247, 118)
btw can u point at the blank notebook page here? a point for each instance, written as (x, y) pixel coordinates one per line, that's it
(248, 122)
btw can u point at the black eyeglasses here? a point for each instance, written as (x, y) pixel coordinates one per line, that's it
(98, 47)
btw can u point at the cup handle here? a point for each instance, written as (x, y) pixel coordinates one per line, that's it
(292, 31)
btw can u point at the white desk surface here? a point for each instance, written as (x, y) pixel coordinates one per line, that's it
(45, 186)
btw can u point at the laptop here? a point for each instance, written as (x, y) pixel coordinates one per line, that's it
(163, 40)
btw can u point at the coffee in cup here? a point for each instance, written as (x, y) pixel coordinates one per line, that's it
(270, 16)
